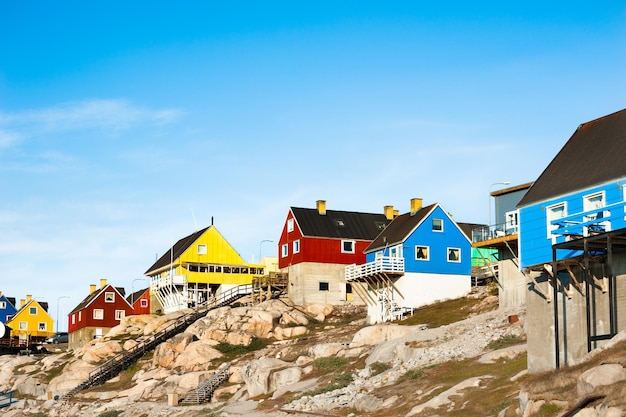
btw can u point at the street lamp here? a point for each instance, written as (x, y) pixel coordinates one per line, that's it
(490, 187)
(58, 300)
(261, 245)
(132, 290)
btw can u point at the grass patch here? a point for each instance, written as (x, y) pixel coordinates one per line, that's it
(414, 374)
(379, 367)
(505, 341)
(231, 351)
(442, 313)
(330, 364)
(338, 381)
(110, 413)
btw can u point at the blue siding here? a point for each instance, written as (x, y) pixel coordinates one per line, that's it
(9, 310)
(536, 247)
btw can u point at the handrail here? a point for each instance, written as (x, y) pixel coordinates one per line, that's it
(388, 264)
(579, 224)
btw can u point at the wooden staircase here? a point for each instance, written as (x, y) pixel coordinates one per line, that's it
(204, 392)
(269, 286)
(122, 360)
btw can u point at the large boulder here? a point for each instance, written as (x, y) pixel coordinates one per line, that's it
(607, 374)
(256, 375)
(196, 357)
(373, 335)
(101, 351)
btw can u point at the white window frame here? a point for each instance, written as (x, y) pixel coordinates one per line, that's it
(549, 217)
(352, 248)
(284, 250)
(73, 318)
(427, 253)
(31, 309)
(296, 246)
(23, 325)
(119, 314)
(202, 250)
(440, 225)
(3, 305)
(511, 220)
(42, 326)
(290, 226)
(80, 315)
(587, 205)
(109, 297)
(448, 254)
(98, 314)
(143, 303)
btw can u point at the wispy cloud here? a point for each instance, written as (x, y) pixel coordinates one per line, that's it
(80, 115)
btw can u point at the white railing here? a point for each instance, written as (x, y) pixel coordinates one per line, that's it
(592, 221)
(384, 264)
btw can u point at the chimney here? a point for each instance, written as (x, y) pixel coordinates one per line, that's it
(29, 297)
(321, 207)
(22, 302)
(92, 288)
(103, 283)
(416, 204)
(388, 210)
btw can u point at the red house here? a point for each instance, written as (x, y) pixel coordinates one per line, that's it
(100, 311)
(315, 246)
(140, 301)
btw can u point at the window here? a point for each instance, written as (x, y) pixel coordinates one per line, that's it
(284, 251)
(557, 211)
(347, 246)
(109, 297)
(41, 326)
(289, 225)
(80, 315)
(454, 255)
(511, 221)
(143, 303)
(3, 305)
(23, 325)
(296, 246)
(422, 253)
(98, 314)
(33, 311)
(437, 225)
(324, 286)
(380, 225)
(119, 314)
(339, 222)
(73, 318)
(201, 249)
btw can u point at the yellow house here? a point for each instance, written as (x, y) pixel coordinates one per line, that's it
(32, 320)
(198, 266)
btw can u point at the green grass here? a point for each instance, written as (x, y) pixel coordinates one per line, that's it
(441, 313)
(379, 368)
(505, 341)
(232, 351)
(330, 364)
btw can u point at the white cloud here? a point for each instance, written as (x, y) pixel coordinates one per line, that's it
(80, 115)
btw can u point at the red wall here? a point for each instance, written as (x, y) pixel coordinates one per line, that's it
(137, 308)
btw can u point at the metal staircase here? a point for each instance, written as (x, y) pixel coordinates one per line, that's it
(122, 360)
(204, 392)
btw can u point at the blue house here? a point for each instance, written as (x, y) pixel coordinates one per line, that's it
(7, 308)
(420, 257)
(573, 245)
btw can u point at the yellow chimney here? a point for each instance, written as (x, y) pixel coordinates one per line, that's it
(103, 283)
(321, 207)
(396, 213)
(29, 297)
(416, 204)
(92, 288)
(22, 302)
(388, 210)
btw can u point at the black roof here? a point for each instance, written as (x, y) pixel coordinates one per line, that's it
(594, 155)
(136, 295)
(179, 247)
(399, 229)
(339, 224)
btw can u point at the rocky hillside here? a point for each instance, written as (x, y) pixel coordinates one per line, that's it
(457, 358)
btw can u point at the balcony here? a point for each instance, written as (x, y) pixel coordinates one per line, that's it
(382, 265)
(495, 231)
(588, 223)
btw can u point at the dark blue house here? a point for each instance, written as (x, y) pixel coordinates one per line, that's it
(7, 308)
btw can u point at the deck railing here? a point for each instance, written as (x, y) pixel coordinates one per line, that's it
(494, 231)
(383, 264)
(589, 222)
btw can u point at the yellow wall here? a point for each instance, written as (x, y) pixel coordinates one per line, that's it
(32, 321)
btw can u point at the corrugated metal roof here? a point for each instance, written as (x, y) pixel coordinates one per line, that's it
(594, 155)
(339, 224)
(178, 249)
(399, 229)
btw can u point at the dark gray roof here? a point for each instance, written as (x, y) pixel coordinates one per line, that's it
(594, 155)
(339, 224)
(178, 248)
(467, 228)
(399, 229)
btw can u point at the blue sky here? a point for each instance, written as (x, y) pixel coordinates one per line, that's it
(125, 126)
